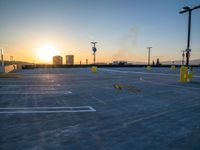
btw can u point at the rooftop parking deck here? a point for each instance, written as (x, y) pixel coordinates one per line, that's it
(72, 108)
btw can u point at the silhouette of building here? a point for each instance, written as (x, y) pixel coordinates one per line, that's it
(69, 59)
(57, 60)
(86, 62)
(120, 62)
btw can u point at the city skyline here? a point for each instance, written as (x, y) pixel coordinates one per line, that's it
(123, 29)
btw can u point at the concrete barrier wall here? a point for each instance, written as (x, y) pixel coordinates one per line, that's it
(10, 68)
(85, 66)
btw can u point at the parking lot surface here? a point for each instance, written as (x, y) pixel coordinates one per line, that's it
(113, 109)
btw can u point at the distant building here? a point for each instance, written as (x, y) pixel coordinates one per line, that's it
(86, 62)
(69, 59)
(120, 62)
(57, 60)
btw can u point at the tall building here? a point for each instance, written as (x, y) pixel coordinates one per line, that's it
(69, 59)
(57, 60)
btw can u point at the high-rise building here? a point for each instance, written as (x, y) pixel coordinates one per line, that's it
(57, 60)
(69, 59)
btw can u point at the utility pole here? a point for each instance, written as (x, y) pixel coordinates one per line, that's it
(189, 10)
(94, 49)
(149, 48)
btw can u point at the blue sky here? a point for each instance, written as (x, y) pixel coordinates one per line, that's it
(123, 28)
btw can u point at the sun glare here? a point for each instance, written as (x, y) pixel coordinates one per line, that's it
(46, 53)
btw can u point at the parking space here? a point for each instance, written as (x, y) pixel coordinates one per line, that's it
(72, 108)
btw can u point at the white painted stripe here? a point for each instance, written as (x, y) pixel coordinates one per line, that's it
(91, 108)
(165, 84)
(42, 92)
(36, 110)
(75, 107)
(137, 72)
(145, 73)
(24, 81)
(45, 111)
(141, 79)
(28, 85)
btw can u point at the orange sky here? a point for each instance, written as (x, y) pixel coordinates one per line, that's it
(32, 54)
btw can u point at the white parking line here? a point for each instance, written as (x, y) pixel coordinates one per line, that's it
(42, 92)
(75, 107)
(17, 81)
(136, 72)
(159, 83)
(29, 85)
(145, 73)
(25, 110)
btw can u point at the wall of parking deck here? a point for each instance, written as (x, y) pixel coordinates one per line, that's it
(10, 68)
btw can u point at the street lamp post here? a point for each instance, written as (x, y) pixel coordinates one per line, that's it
(94, 49)
(189, 10)
(149, 55)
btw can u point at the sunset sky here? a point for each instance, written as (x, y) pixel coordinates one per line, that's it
(122, 28)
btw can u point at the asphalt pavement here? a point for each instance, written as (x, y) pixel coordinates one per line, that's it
(113, 109)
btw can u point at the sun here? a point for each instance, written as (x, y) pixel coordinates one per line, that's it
(45, 53)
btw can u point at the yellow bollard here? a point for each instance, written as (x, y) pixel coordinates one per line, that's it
(94, 69)
(148, 68)
(183, 74)
(173, 67)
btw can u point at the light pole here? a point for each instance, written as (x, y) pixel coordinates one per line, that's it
(149, 55)
(94, 49)
(189, 10)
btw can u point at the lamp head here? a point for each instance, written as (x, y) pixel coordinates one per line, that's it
(186, 8)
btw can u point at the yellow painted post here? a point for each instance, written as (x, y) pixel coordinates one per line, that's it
(183, 74)
(173, 67)
(94, 69)
(148, 68)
